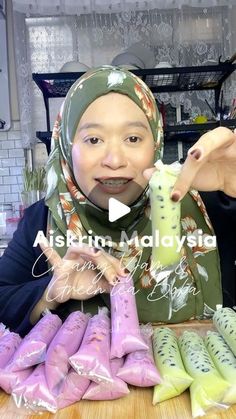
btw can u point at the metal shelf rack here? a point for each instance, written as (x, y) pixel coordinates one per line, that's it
(175, 79)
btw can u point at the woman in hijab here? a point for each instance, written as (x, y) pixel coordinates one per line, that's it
(107, 134)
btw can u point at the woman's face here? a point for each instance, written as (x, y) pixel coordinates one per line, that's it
(113, 145)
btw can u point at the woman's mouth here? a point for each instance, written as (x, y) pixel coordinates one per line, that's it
(113, 184)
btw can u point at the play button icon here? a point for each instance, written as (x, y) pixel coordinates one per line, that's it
(104, 208)
(117, 209)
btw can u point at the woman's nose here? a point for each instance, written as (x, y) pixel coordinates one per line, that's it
(114, 157)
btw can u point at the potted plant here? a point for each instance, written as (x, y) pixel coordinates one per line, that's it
(34, 185)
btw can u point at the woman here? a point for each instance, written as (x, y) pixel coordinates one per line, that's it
(107, 135)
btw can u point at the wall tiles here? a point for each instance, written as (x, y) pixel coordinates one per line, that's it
(12, 162)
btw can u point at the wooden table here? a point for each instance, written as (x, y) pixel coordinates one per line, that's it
(136, 405)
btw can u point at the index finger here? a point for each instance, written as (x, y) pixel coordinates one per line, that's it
(212, 141)
(197, 156)
(185, 179)
(50, 253)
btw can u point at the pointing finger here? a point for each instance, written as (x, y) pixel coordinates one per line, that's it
(203, 151)
(189, 170)
(213, 140)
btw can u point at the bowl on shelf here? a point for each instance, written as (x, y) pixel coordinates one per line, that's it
(127, 60)
(73, 67)
(144, 53)
(62, 85)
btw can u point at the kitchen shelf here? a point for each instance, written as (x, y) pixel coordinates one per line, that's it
(201, 127)
(190, 132)
(175, 79)
(171, 133)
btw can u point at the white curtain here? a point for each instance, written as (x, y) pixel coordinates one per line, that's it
(48, 34)
(58, 7)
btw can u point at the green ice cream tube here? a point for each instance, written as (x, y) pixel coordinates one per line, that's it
(165, 217)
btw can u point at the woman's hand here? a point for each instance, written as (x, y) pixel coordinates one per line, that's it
(81, 274)
(209, 166)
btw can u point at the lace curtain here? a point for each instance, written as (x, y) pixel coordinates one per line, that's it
(48, 34)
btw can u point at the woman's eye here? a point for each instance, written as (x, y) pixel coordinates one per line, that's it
(93, 140)
(133, 139)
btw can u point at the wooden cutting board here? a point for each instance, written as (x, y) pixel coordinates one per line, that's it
(136, 405)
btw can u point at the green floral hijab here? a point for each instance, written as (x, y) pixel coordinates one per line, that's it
(70, 209)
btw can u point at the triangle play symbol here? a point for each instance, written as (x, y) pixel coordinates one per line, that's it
(117, 209)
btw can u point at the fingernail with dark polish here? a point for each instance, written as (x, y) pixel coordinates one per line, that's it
(175, 196)
(95, 249)
(126, 271)
(196, 153)
(115, 281)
